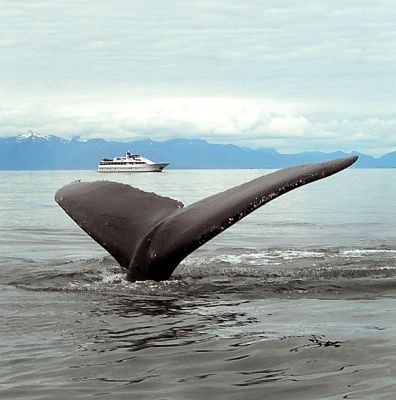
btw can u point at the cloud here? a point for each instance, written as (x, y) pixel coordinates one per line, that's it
(244, 121)
(171, 116)
(260, 48)
(295, 75)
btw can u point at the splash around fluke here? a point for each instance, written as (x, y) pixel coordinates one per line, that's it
(150, 235)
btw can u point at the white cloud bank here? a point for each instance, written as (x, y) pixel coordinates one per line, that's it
(242, 121)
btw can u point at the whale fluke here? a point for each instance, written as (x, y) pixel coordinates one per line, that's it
(150, 235)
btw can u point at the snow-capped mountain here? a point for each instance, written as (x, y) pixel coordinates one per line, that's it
(34, 151)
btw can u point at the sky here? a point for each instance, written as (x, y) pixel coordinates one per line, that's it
(291, 75)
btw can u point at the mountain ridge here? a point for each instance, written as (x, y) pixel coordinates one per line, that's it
(49, 152)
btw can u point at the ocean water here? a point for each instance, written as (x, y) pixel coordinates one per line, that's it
(298, 300)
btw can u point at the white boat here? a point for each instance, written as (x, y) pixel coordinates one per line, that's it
(130, 163)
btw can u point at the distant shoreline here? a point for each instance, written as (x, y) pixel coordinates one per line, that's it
(168, 169)
(37, 152)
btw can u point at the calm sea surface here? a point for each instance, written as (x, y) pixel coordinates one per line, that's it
(296, 301)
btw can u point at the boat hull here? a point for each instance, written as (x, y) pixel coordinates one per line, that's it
(158, 167)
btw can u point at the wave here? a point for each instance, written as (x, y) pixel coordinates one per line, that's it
(246, 272)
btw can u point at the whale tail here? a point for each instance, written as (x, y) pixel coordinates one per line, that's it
(151, 234)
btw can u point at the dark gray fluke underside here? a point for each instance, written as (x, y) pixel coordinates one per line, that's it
(149, 234)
